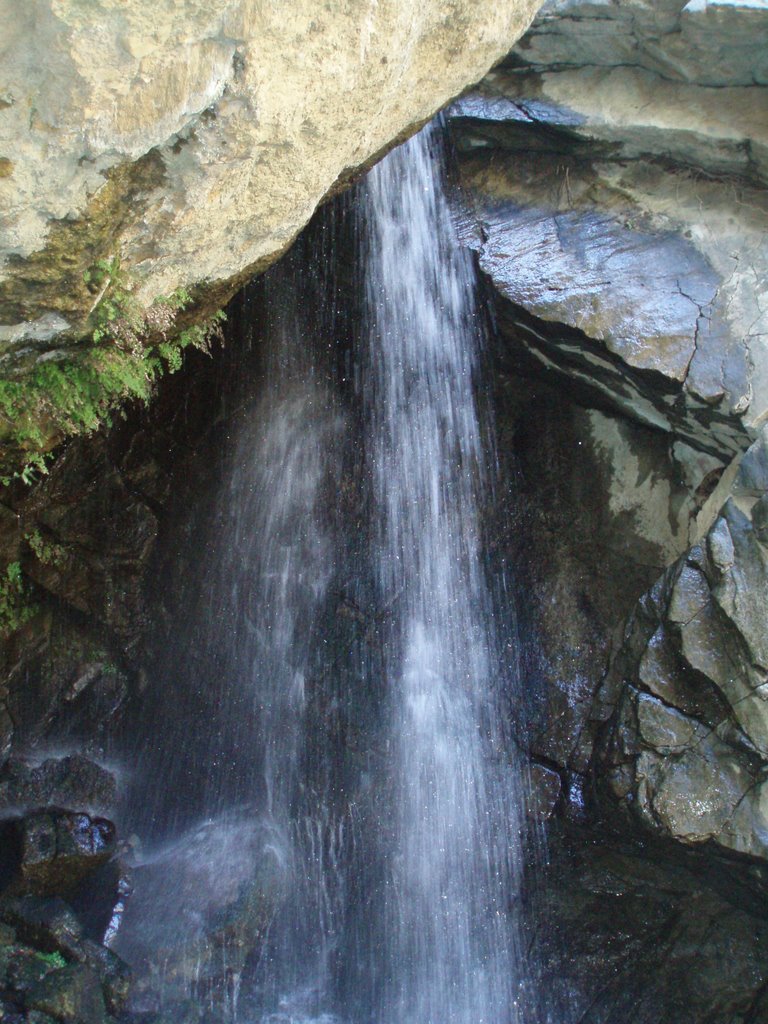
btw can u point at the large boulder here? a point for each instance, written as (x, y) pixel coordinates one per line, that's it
(193, 141)
(57, 850)
(202, 906)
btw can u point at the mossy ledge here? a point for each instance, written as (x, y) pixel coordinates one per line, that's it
(78, 390)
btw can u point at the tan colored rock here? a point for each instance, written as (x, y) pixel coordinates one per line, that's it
(251, 110)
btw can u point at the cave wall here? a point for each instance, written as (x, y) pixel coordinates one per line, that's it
(612, 178)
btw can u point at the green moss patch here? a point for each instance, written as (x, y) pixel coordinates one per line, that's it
(129, 348)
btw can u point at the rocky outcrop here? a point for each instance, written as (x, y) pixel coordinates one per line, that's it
(617, 163)
(627, 933)
(62, 890)
(192, 142)
(686, 747)
(615, 170)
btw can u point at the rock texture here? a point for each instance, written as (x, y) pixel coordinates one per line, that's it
(686, 748)
(617, 163)
(627, 933)
(194, 140)
(615, 167)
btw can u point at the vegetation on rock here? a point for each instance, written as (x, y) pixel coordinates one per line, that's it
(129, 347)
(16, 608)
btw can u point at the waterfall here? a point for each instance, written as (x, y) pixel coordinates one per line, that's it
(453, 841)
(351, 797)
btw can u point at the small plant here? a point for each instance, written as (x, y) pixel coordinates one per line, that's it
(52, 959)
(131, 347)
(47, 552)
(15, 606)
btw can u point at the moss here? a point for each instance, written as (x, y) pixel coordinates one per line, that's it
(16, 606)
(128, 348)
(53, 279)
(52, 959)
(46, 551)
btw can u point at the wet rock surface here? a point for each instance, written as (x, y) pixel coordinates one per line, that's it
(589, 510)
(72, 781)
(619, 190)
(618, 215)
(632, 932)
(202, 904)
(51, 970)
(685, 748)
(57, 850)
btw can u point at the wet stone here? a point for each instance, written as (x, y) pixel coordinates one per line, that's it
(760, 519)
(663, 728)
(47, 923)
(113, 973)
(73, 781)
(58, 849)
(546, 785)
(71, 994)
(752, 477)
(23, 967)
(689, 595)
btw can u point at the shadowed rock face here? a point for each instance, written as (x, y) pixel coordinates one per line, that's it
(686, 748)
(628, 933)
(615, 166)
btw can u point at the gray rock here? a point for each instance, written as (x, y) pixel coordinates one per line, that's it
(600, 160)
(742, 588)
(693, 764)
(760, 519)
(72, 781)
(71, 994)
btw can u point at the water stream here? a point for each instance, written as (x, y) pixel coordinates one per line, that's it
(449, 941)
(347, 847)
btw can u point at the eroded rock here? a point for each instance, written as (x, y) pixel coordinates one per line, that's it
(686, 749)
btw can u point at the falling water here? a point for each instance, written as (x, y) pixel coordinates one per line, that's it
(452, 849)
(350, 734)
(229, 824)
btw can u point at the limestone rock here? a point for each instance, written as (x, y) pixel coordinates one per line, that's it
(193, 139)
